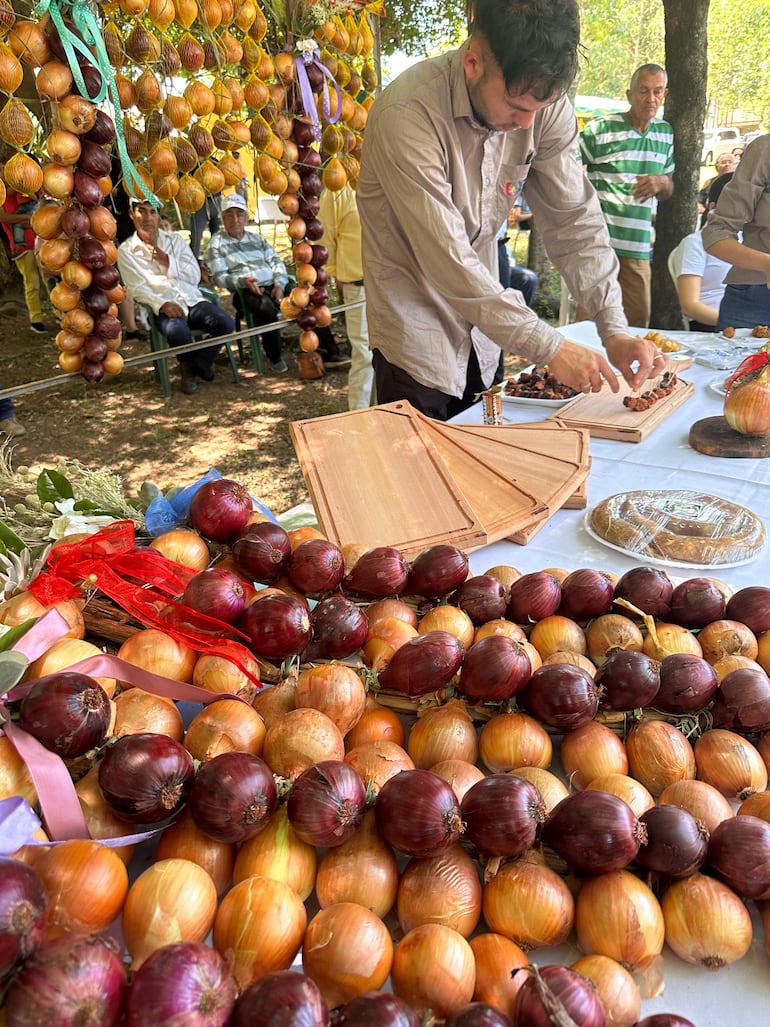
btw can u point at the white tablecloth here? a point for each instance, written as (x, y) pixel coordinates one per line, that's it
(664, 460)
(738, 994)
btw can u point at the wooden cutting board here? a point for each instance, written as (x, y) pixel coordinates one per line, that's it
(375, 479)
(714, 437)
(605, 417)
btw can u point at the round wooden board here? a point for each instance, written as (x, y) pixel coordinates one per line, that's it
(714, 437)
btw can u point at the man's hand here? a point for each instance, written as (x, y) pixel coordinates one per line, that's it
(582, 369)
(647, 186)
(253, 286)
(172, 310)
(627, 350)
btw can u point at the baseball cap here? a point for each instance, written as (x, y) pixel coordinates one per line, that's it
(234, 202)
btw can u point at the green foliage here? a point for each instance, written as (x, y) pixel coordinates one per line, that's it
(422, 29)
(618, 38)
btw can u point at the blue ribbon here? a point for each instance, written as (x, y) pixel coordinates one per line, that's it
(301, 62)
(167, 512)
(88, 27)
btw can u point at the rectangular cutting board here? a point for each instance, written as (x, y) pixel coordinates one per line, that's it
(605, 417)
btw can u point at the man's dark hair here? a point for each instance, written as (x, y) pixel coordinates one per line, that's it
(535, 42)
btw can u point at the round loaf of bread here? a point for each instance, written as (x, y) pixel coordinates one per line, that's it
(679, 526)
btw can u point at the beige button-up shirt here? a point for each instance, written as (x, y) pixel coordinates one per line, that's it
(434, 189)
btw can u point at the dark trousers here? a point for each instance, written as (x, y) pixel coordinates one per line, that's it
(514, 277)
(206, 217)
(393, 383)
(264, 310)
(204, 316)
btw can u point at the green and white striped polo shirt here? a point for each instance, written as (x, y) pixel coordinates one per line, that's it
(615, 154)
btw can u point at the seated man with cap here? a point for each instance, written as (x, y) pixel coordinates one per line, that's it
(159, 269)
(243, 260)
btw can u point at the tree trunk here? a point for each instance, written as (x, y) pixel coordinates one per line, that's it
(686, 33)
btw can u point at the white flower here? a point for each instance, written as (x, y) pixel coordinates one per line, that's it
(306, 45)
(72, 522)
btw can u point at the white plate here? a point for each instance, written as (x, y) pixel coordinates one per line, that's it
(526, 401)
(719, 386)
(723, 358)
(659, 561)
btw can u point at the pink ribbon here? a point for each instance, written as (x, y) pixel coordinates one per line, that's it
(305, 58)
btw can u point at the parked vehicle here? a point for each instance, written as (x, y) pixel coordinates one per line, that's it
(719, 140)
(751, 136)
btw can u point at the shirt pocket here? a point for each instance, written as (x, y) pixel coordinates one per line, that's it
(512, 179)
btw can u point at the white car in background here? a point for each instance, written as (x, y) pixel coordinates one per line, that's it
(751, 136)
(717, 141)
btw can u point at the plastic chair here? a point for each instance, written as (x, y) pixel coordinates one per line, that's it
(158, 341)
(242, 312)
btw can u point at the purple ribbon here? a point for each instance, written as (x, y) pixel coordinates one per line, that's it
(305, 58)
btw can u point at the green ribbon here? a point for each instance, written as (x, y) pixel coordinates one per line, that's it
(87, 25)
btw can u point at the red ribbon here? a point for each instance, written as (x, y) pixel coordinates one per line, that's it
(751, 363)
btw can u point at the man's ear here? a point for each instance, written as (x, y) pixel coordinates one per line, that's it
(473, 62)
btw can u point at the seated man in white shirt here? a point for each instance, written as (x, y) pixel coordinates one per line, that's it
(159, 269)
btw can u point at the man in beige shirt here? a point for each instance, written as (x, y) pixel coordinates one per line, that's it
(449, 146)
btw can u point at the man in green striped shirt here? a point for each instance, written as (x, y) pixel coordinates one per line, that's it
(629, 159)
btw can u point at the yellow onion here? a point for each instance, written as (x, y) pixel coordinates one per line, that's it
(272, 703)
(496, 958)
(529, 903)
(22, 173)
(377, 722)
(158, 652)
(11, 71)
(16, 124)
(335, 690)
(723, 638)
(217, 673)
(591, 751)
(227, 725)
(377, 761)
(726, 664)
(259, 928)
(632, 792)
(300, 739)
(551, 788)
(730, 763)
(279, 853)
(617, 915)
(433, 969)
(461, 775)
(609, 632)
(15, 779)
(363, 869)
(63, 654)
(86, 885)
(46, 220)
(444, 732)
(443, 889)
(499, 626)
(703, 800)
(347, 951)
(173, 900)
(451, 619)
(618, 991)
(76, 114)
(659, 754)
(54, 80)
(664, 639)
(137, 710)
(555, 633)
(183, 546)
(511, 740)
(184, 840)
(28, 40)
(747, 404)
(706, 922)
(99, 817)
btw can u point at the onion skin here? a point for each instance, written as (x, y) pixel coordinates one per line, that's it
(606, 905)
(326, 804)
(628, 680)
(281, 997)
(730, 763)
(707, 924)
(529, 903)
(437, 571)
(220, 510)
(443, 889)
(339, 629)
(378, 573)
(659, 754)
(82, 979)
(433, 969)
(503, 815)
(494, 669)
(697, 602)
(146, 778)
(232, 796)
(423, 664)
(478, 1014)
(586, 594)
(676, 844)
(417, 813)
(590, 752)
(68, 713)
(739, 854)
(278, 625)
(375, 1009)
(556, 994)
(664, 1020)
(23, 913)
(687, 683)
(562, 696)
(262, 551)
(742, 701)
(482, 597)
(188, 979)
(594, 831)
(646, 588)
(751, 606)
(533, 597)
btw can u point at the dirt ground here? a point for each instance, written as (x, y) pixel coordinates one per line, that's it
(125, 423)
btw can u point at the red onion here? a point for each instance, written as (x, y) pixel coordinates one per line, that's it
(183, 983)
(627, 680)
(262, 551)
(751, 606)
(697, 602)
(561, 696)
(339, 629)
(482, 598)
(742, 701)
(277, 625)
(495, 668)
(87, 190)
(220, 509)
(145, 777)
(739, 855)
(67, 712)
(594, 831)
(533, 597)
(675, 844)
(478, 1014)
(75, 223)
(316, 567)
(423, 664)
(91, 253)
(283, 998)
(437, 571)
(664, 1020)
(92, 370)
(94, 159)
(586, 594)
(233, 796)
(103, 129)
(70, 981)
(502, 814)
(687, 683)
(23, 913)
(326, 804)
(555, 995)
(417, 813)
(646, 588)
(216, 592)
(377, 574)
(376, 1009)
